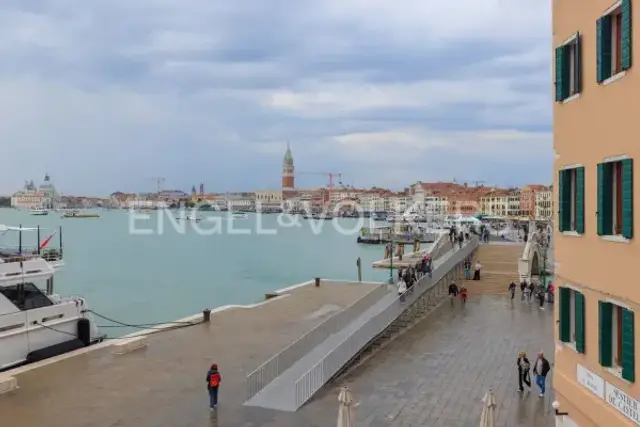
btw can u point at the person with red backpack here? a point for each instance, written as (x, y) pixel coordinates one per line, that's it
(213, 384)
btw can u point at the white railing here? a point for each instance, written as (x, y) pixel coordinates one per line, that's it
(314, 379)
(276, 365)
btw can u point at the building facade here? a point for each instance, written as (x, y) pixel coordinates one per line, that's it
(31, 197)
(544, 204)
(595, 139)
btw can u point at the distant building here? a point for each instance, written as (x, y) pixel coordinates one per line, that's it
(288, 179)
(32, 197)
(544, 204)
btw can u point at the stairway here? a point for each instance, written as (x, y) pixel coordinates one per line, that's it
(499, 269)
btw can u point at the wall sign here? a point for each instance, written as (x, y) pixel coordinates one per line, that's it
(625, 404)
(591, 381)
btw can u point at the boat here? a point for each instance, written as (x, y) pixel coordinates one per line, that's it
(36, 323)
(189, 218)
(39, 212)
(239, 215)
(78, 214)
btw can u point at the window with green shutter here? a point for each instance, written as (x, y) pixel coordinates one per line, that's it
(605, 336)
(628, 346)
(614, 38)
(603, 48)
(564, 317)
(579, 321)
(568, 69)
(615, 198)
(571, 198)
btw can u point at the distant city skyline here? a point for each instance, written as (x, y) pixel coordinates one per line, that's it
(384, 93)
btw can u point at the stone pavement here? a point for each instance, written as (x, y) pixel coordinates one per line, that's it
(164, 384)
(434, 376)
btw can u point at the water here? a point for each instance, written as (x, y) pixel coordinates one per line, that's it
(161, 277)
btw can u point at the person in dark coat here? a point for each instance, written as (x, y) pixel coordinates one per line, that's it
(213, 385)
(540, 369)
(524, 368)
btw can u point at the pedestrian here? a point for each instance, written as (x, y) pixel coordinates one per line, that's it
(476, 273)
(541, 293)
(523, 288)
(524, 368)
(532, 291)
(460, 239)
(453, 292)
(467, 269)
(463, 295)
(512, 290)
(213, 384)
(540, 370)
(402, 288)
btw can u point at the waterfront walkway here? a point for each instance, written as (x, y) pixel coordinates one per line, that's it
(164, 384)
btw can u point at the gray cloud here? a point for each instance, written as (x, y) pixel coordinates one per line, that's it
(104, 94)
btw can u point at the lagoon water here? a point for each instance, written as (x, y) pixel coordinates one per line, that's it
(167, 274)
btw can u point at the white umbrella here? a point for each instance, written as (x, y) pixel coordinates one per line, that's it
(345, 410)
(488, 418)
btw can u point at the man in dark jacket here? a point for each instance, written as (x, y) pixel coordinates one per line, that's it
(540, 369)
(213, 384)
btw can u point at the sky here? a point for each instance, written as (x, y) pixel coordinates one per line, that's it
(106, 95)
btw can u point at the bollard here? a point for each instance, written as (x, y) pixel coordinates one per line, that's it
(359, 264)
(317, 282)
(206, 315)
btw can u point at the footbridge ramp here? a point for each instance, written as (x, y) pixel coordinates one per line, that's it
(286, 383)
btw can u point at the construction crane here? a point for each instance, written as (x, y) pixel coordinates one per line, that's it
(159, 181)
(333, 177)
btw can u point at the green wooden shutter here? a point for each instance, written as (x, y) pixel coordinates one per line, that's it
(565, 315)
(603, 48)
(628, 346)
(626, 38)
(577, 64)
(564, 199)
(560, 73)
(579, 321)
(605, 199)
(605, 323)
(627, 198)
(580, 200)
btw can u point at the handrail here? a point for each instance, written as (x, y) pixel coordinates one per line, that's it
(315, 378)
(280, 362)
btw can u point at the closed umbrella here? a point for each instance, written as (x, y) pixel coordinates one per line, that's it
(345, 410)
(488, 418)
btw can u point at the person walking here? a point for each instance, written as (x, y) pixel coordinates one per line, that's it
(476, 273)
(467, 269)
(213, 385)
(540, 369)
(523, 290)
(512, 290)
(463, 295)
(402, 288)
(453, 292)
(524, 367)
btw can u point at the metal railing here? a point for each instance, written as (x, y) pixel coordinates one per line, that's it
(314, 379)
(276, 365)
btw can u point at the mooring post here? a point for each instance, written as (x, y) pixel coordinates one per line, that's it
(359, 264)
(206, 315)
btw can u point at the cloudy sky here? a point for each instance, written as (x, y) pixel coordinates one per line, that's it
(106, 94)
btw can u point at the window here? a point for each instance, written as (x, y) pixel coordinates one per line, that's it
(613, 34)
(571, 200)
(568, 68)
(25, 296)
(617, 339)
(571, 318)
(615, 198)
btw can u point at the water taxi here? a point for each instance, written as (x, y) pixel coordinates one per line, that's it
(78, 214)
(39, 212)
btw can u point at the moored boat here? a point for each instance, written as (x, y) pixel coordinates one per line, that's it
(36, 323)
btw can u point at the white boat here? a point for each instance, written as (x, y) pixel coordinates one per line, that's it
(39, 212)
(35, 323)
(239, 215)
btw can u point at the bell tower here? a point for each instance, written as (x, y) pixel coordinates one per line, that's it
(288, 170)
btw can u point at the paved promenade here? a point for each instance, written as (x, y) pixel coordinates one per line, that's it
(434, 375)
(164, 384)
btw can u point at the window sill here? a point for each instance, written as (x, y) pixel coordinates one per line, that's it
(617, 372)
(571, 98)
(614, 78)
(615, 239)
(570, 346)
(571, 233)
